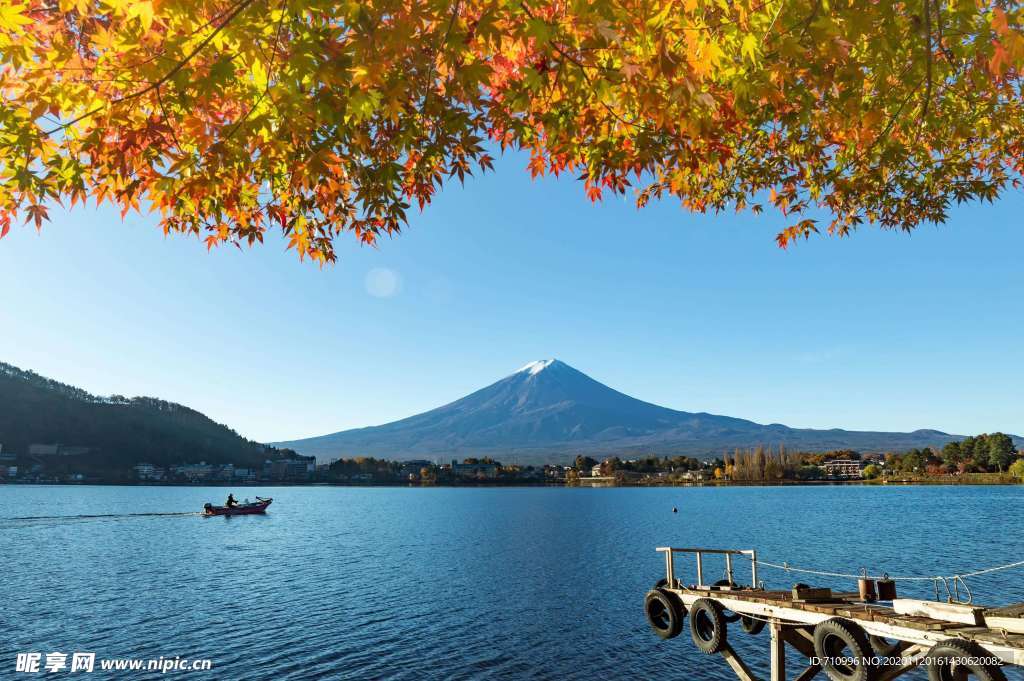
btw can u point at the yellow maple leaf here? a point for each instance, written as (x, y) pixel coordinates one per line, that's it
(750, 48)
(12, 17)
(144, 11)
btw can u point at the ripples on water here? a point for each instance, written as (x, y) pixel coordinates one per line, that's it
(447, 583)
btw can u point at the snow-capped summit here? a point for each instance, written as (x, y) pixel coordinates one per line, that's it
(534, 368)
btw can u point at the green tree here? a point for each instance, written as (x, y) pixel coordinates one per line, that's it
(872, 471)
(967, 447)
(1000, 450)
(808, 473)
(951, 454)
(1017, 469)
(912, 461)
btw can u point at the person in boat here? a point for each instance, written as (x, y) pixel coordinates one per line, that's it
(231, 502)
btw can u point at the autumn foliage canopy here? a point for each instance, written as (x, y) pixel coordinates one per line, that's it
(317, 117)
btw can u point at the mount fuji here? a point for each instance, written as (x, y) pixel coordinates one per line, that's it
(548, 411)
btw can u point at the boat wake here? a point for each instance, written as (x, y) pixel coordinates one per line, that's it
(56, 519)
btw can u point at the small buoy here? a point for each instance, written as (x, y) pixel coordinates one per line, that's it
(675, 510)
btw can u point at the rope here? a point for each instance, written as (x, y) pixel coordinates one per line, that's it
(788, 568)
(995, 569)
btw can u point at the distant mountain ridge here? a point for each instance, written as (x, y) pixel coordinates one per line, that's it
(548, 410)
(116, 431)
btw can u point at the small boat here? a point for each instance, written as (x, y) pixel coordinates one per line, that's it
(258, 506)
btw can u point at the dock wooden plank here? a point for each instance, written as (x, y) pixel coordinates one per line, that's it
(862, 612)
(920, 623)
(1009, 618)
(1013, 625)
(778, 653)
(1014, 610)
(825, 608)
(952, 612)
(987, 635)
(738, 666)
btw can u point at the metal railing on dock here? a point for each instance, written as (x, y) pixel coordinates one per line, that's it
(670, 576)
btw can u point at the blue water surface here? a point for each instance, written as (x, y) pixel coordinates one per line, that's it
(464, 583)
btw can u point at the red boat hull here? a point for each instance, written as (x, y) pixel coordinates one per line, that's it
(244, 509)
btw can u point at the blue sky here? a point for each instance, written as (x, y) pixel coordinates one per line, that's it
(699, 313)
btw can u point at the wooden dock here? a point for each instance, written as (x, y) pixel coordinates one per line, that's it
(890, 638)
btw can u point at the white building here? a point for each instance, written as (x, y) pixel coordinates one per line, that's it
(147, 471)
(194, 471)
(844, 468)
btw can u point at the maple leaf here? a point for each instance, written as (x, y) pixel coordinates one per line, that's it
(12, 17)
(629, 69)
(143, 11)
(36, 213)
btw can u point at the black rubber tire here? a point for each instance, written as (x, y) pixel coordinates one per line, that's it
(707, 626)
(958, 648)
(836, 640)
(751, 625)
(662, 584)
(664, 613)
(883, 647)
(731, 617)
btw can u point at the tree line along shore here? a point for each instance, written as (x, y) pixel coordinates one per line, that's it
(981, 459)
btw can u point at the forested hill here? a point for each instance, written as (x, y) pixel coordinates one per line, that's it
(118, 431)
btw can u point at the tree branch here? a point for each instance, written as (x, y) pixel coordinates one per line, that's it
(240, 6)
(927, 5)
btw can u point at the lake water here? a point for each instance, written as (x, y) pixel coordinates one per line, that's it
(466, 583)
